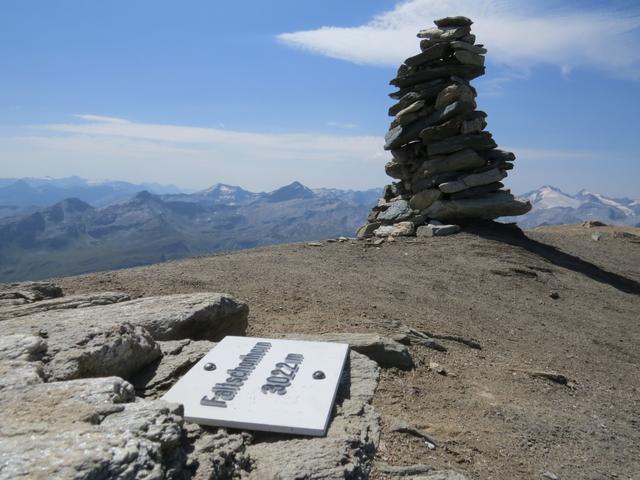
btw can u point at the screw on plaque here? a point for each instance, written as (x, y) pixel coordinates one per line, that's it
(319, 375)
(209, 367)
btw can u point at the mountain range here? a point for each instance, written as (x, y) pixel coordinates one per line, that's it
(551, 206)
(109, 225)
(72, 236)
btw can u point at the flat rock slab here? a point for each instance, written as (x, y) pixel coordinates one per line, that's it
(28, 292)
(385, 351)
(88, 429)
(499, 204)
(20, 360)
(72, 301)
(178, 356)
(347, 450)
(87, 346)
(119, 339)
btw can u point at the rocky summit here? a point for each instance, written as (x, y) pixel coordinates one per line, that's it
(449, 169)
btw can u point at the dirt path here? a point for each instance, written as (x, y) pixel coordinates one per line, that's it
(492, 418)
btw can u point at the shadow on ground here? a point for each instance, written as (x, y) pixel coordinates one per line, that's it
(512, 235)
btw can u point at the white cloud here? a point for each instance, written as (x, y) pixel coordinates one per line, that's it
(346, 126)
(100, 118)
(193, 157)
(518, 33)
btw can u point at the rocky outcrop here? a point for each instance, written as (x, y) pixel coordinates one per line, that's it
(347, 450)
(61, 303)
(120, 339)
(447, 166)
(27, 292)
(178, 356)
(86, 429)
(385, 351)
(61, 424)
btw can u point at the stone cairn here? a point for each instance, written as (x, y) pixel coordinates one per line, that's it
(449, 169)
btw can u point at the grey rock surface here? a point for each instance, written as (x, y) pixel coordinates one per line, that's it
(88, 429)
(348, 449)
(61, 303)
(385, 351)
(87, 345)
(437, 230)
(397, 212)
(401, 229)
(425, 198)
(473, 180)
(495, 205)
(178, 356)
(20, 363)
(28, 292)
(461, 160)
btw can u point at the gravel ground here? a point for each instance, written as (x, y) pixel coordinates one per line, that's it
(553, 300)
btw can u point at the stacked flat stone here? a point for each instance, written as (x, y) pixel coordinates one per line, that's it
(448, 167)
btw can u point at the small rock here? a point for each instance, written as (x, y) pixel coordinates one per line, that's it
(366, 231)
(550, 476)
(593, 223)
(314, 244)
(436, 367)
(401, 229)
(596, 236)
(437, 230)
(554, 295)
(398, 425)
(383, 350)
(343, 239)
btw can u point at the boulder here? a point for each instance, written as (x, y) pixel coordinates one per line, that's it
(466, 72)
(473, 180)
(20, 363)
(425, 198)
(385, 351)
(445, 33)
(402, 134)
(429, 55)
(460, 160)
(88, 429)
(28, 292)
(401, 229)
(476, 141)
(499, 204)
(397, 211)
(366, 231)
(453, 93)
(431, 230)
(89, 346)
(469, 58)
(199, 316)
(72, 301)
(458, 21)
(477, 49)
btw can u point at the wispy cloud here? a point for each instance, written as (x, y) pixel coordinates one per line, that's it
(100, 118)
(519, 33)
(105, 147)
(346, 126)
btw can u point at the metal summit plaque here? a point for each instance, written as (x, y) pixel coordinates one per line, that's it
(275, 385)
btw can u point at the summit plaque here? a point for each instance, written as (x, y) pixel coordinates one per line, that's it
(275, 385)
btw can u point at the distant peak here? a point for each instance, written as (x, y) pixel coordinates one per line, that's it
(74, 204)
(289, 192)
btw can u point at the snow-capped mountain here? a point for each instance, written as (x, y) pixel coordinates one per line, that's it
(552, 206)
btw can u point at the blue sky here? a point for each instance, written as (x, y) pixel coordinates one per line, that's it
(263, 93)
